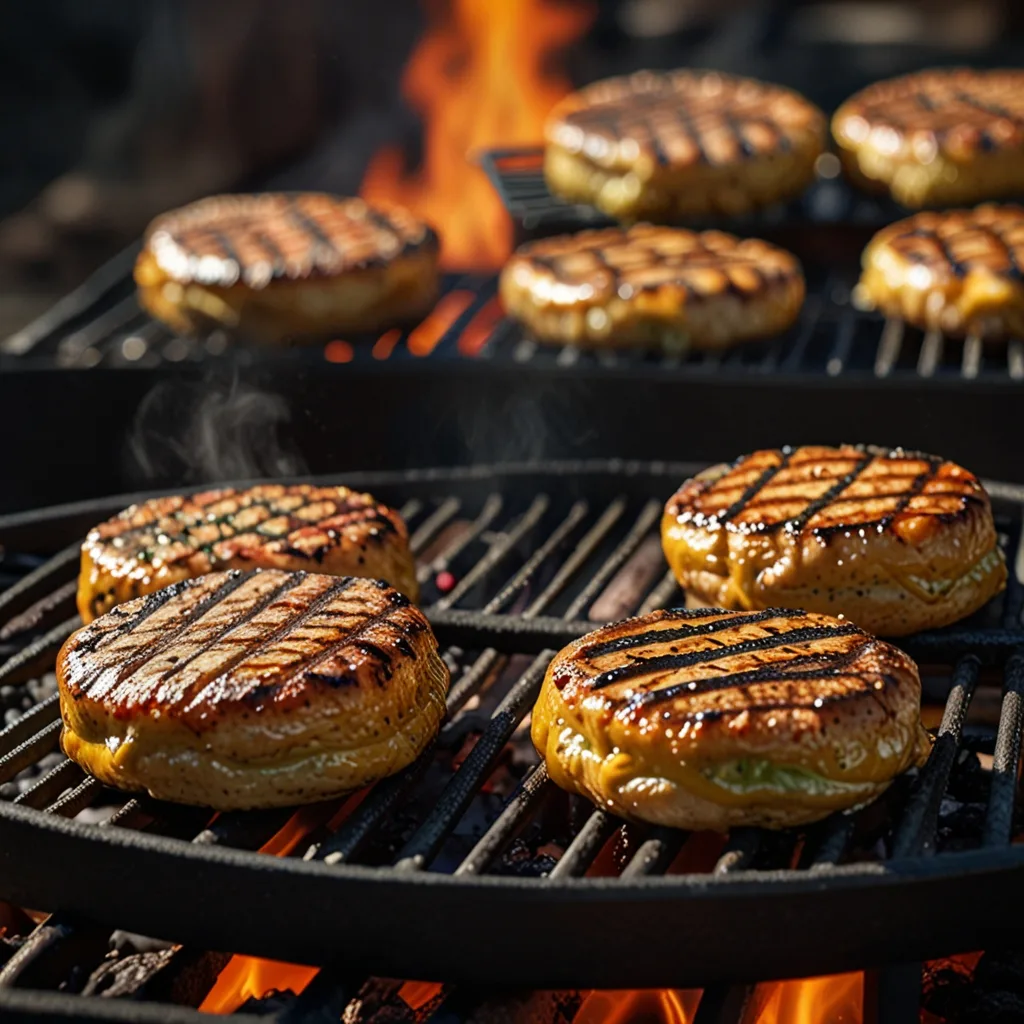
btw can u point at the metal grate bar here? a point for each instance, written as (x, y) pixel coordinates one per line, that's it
(538, 558)
(77, 799)
(588, 843)
(39, 582)
(661, 594)
(462, 787)
(1002, 797)
(488, 513)
(498, 551)
(835, 837)
(743, 846)
(29, 724)
(57, 603)
(38, 656)
(245, 830)
(27, 753)
(889, 346)
(618, 558)
(655, 854)
(433, 524)
(842, 347)
(51, 785)
(532, 792)
(916, 832)
(931, 354)
(970, 366)
(1015, 359)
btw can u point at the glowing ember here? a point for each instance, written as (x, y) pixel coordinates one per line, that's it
(657, 1006)
(481, 78)
(835, 999)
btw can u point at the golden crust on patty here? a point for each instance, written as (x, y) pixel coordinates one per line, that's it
(259, 689)
(661, 145)
(958, 272)
(276, 266)
(894, 541)
(937, 137)
(273, 526)
(710, 720)
(652, 287)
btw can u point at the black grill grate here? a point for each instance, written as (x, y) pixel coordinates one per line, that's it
(100, 325)
(436, 873)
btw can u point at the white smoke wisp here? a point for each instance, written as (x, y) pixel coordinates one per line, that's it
(210, 432)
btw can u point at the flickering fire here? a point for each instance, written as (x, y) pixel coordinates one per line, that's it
(247, 977)
(482, 76)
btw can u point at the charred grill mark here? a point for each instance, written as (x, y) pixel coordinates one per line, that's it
(91, 639)
(752, 491)
(947, 237)
(666, 636)
(868, 679)
(670, 114)
(672, 662)
(797, 523)
(348, 510)
(833, 667)
(307, 668)
(311, 228)
(233, 582)
(336, 588)
(247, 616)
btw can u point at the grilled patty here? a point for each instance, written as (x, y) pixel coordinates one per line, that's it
(660, 145)
(895, 541)
(652, 287)
(257, 689)
(957, 272)
(713, 719)
(937, 137)
(325, 529)
(276, 266)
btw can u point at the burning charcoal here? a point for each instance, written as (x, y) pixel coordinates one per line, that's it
(119, 977)
(126, 943)
(995, 1008)
(270, 1004)
(968, 781)
(519, 860)
(960, 825)
(1001, 969)
(946, 990)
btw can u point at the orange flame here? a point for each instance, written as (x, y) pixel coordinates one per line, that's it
(480, 77)
(247, 977)
(835, 999)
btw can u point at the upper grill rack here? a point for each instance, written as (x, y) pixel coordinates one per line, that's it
(406, 883)
(100, 324)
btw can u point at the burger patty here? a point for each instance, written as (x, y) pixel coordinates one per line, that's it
(652, 287)
(252, 689)
(711, 719)
(957, 272)
(897, 541)
(274, 265)
(937, 137)
(657, 144)
(326, 529)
